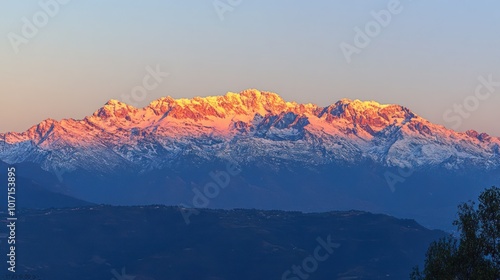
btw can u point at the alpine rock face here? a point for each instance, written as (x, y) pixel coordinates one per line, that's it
(265, 135)
(246, 127)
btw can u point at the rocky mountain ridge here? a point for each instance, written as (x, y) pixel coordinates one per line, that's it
(243, 127)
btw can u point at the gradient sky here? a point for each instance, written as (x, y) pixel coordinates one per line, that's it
(428, 58)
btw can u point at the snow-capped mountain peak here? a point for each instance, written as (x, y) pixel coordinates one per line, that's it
(245, 126)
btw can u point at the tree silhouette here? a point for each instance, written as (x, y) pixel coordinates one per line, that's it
(476, 255)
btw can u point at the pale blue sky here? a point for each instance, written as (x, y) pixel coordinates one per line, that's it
(427, 58)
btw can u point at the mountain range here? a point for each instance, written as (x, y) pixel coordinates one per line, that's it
(154, 243)
(350, 155)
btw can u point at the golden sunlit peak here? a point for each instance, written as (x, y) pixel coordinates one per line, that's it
(117, 104)
(362, 104)
(113, 102)
(255, 93)
(167, 99)
(251, 91)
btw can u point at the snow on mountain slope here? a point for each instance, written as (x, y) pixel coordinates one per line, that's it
(246, 127)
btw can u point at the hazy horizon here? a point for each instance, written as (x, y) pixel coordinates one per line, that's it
(90, 52)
